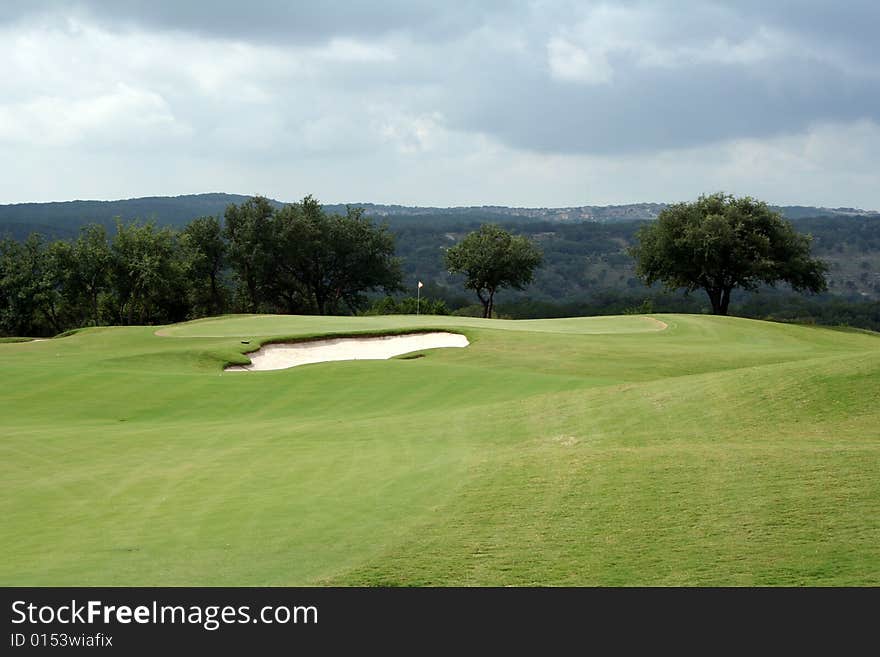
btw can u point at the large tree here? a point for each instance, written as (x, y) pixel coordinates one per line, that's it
(300, 259)
(248, 232)
(330, 261)
(719, 243)
(89, 260)
(146, 276)
(491, 258)
(204, 259)
(24, 286)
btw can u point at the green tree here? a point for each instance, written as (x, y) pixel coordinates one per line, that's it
(32, 276)
(490, 259)
(204, 252)
(46, 288)
(146, 275)
(248, 233)
(22, 286)
(88, 272)
(296, 243)
(719, 243)
(300, 259)
(58, 305)
(360, 257)
(330, 261)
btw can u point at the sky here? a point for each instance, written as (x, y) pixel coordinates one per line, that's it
(473, 102)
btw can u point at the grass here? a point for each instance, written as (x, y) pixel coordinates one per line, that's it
(589, 451)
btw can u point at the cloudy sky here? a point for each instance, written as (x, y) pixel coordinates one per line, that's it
(539, 103)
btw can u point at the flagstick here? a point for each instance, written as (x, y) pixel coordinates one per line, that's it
(418, 297)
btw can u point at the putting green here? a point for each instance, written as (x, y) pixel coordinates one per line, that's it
(670, 449)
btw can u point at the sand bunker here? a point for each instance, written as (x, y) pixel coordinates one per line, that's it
(283, 356)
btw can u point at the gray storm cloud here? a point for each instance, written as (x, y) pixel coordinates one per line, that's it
(542, 101)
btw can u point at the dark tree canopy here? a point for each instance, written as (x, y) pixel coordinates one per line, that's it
(294, 259)
(204, 256)
(247, 231)
(146, 275)
(88, 270)
(24, 285)
(719, 243)
(328, 261)
(491, 258)
(301, 259)
(356, 256)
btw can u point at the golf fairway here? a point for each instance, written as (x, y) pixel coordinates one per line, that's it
(661, 450)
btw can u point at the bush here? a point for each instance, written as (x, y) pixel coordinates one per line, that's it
(407, 306)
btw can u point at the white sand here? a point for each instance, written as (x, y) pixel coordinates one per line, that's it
(283, 356)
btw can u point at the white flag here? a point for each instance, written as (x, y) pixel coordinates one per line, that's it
(420, 285)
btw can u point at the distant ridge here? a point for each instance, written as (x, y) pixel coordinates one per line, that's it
(64, 218)
(633, 211)
(601, 213)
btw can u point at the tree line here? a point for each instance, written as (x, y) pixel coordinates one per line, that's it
(717, 244)
(298, 258)
(293, 259)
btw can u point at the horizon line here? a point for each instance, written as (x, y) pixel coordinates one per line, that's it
(423, 207)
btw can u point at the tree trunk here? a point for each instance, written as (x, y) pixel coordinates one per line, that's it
(720, 299)
(715, 299)
(485, 301)
(251, 284)
(94, 303)
(52, 314)
(491, 304)
(320, 302)
(725, 300)
(215, 297)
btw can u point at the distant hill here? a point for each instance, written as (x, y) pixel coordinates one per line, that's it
(63, 219)
(600, 213)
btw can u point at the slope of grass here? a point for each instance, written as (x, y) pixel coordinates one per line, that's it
(578, 451)
(243, 325)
